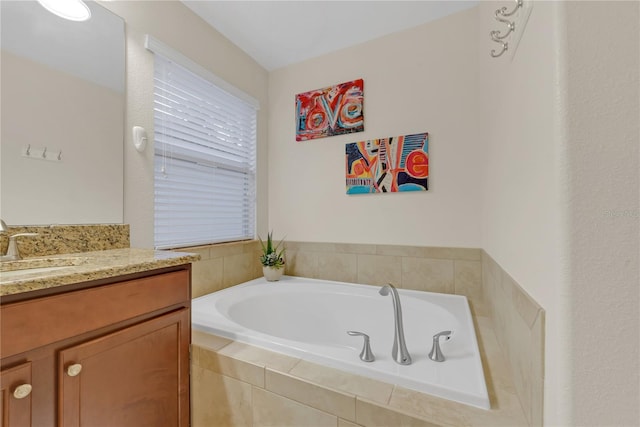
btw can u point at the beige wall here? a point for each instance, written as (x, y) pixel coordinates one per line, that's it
(522, 214)
(561, 196)
(602, 115)
(419, 80)
(175, 25)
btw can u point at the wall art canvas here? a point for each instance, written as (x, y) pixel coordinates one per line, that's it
(333, 110)
(388, 165)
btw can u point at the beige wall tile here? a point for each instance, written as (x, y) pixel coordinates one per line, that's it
(239, 269)
(219, 401)
(337, 266)
(372, 415)
(400, 250)
(430, 408)
(374, 390)
(520, 352)
(310, 246)
(325, 399)
(206, 277)
(219, 363)
(356, 249)
(506, 411)
(269, 409)
(207, 340)
(302, 264)
(423, 274)
(468, 282)
(470, 254)
(344, 423)
(497, 369)
(468, 278)
(226, 249)
(524, 304)
(379, 270)
(491, 266)
(259, 356)
(537, 371)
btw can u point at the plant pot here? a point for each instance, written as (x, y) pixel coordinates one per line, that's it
(272, 274)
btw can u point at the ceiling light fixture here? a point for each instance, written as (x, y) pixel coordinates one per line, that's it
(73, 10)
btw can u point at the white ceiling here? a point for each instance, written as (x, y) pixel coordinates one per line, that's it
(280, 33)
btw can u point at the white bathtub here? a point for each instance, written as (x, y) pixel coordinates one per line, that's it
(309, 319)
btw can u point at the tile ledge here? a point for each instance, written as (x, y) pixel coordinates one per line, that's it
(485, 417)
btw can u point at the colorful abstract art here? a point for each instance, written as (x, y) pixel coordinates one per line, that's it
(388, 165)
(330, 111)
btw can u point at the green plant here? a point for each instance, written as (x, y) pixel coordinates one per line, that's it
(272, 256)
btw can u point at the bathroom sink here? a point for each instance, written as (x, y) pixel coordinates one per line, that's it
(39, 265)
(13, 274)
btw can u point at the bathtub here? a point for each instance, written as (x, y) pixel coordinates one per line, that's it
(309, 319)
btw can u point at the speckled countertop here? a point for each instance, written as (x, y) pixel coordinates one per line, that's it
(66, 269)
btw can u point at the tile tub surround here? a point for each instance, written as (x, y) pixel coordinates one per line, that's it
(494, 297)
(447, 270)
(224, 265)
(65, 239)
(235, 384)
(519, 324)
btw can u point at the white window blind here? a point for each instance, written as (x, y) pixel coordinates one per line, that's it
(205, 160)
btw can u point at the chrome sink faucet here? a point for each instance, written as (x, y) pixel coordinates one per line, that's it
(399, 351)
(12, 250)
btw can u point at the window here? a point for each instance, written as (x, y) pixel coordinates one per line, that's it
(205, 156)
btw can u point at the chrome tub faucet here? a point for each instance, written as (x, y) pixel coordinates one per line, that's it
(399, 351)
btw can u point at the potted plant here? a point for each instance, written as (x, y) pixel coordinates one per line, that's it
(272, 258)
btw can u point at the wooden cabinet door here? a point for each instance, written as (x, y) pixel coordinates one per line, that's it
(138, 376)
(15, 405)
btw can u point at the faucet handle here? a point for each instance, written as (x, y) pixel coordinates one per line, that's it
(12, 250)
(436, 354)
(366, 355)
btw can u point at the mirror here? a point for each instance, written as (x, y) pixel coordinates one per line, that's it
(63, 97)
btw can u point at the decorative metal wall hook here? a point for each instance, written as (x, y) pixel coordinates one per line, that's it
(44, 153)
(28, 152)
(503, 10)
(497, 36)
(510, 27)
(505, 47)
(60, 155)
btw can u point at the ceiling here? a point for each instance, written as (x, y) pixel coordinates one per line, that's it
(280, 33)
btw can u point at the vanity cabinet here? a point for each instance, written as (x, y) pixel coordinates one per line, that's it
(16, 396)
(116, 354)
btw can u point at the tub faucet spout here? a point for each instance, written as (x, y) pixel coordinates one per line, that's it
(399, 352)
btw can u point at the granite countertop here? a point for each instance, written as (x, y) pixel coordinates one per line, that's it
(66, 269)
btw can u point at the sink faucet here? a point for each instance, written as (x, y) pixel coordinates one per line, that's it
(402, 356)
(12, 250)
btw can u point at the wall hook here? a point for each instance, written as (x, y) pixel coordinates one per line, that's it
(28, 152)
(499, 37)
(60, 155)
(503, 10)
(44, 153)
(496, 38)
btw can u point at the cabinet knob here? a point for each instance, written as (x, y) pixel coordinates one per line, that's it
(74, 370)
(22, 391)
